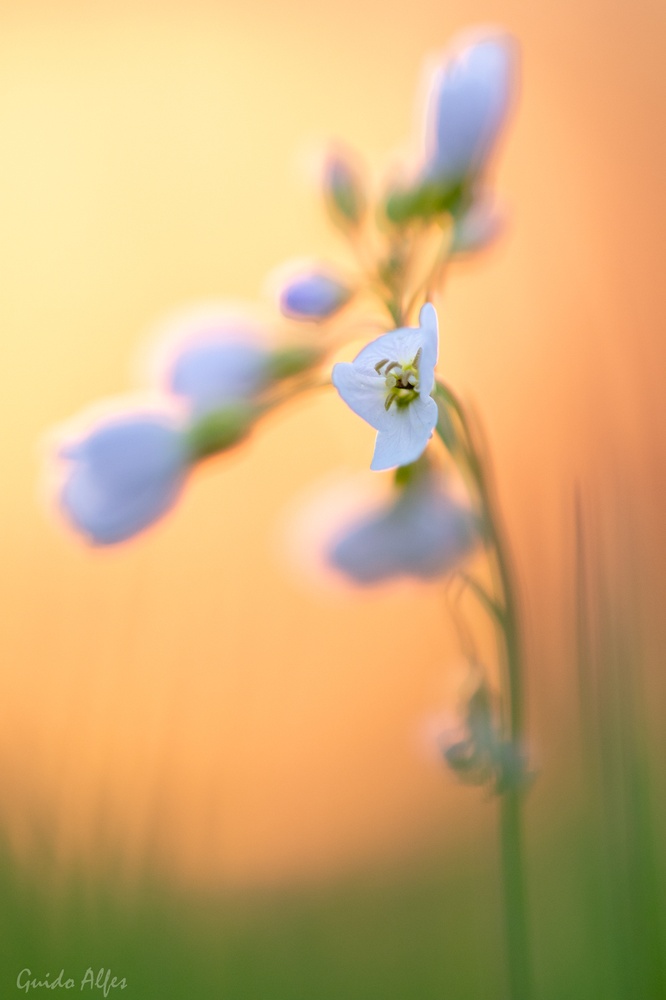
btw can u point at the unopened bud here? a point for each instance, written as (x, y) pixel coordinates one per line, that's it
(313, 296)
(344, 191)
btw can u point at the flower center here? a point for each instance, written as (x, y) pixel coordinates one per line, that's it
(402, 380)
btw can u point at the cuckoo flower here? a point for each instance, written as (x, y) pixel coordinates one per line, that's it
(123, 475)
(389, 385)
(423, 533)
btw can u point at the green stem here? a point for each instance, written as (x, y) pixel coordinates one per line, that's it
(466, 451)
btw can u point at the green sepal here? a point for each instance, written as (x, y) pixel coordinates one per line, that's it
(424, 201)
(220, 429)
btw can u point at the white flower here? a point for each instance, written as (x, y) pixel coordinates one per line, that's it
(422, 533)
(389, 385)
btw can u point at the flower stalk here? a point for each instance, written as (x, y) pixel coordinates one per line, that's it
(503, 610)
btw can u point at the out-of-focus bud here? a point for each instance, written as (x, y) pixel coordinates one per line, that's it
(218, 370)
(423, 533)
(123, 475)
(470, 97)
(217, 430)
(344, 190)
(483, 757)
(314, 295)
(477, 226)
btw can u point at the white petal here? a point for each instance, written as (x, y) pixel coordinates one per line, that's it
(429, 327)
(363, 393)
(399, 345)
(406, 437)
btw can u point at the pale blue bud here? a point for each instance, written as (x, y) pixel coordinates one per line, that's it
(469, 104)
(123, 475)
(423, 533)
(313, 296)
(477, 226)
(219, 370)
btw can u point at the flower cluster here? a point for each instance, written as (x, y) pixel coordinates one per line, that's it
(122, 473)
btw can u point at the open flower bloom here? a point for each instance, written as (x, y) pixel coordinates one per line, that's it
(423, 533)
(219, 369)
(123, 475)
(389, 385)
(469, 102)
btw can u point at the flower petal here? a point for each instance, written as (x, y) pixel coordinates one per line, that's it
(398, 345)
(363, 393)
(404, 437)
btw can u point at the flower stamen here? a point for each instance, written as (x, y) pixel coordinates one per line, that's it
(402, 381)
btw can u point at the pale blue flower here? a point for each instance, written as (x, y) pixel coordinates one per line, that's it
(219, 370)
(423, 533)
(469, 102)
(389, 385)
(123, 475)
(313, 295)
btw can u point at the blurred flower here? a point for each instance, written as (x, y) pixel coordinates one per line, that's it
(470, 94)
(477, 226)
(313, 295)
(123, 475)
(422, 533)
(343, 190)
(469, 102)
(219, 369)
(389, 385)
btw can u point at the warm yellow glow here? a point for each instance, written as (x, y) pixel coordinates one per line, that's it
(182, 696)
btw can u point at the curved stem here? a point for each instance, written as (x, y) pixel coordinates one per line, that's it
(470, 457)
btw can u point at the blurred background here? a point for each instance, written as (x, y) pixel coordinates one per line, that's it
(214, 779)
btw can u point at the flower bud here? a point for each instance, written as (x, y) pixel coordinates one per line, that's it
(344, 191)
(477, 226)
(470, 97)
(423, 533)
(217, 370)
(313, 296)
(123, 475)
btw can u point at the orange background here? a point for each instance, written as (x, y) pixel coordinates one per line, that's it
(184, 698)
